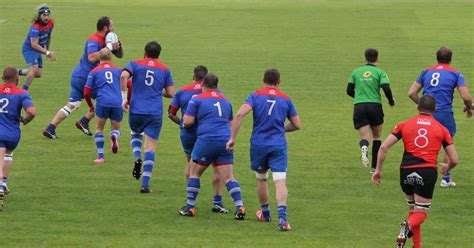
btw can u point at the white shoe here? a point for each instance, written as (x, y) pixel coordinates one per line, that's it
(364, 158)
(446, 184)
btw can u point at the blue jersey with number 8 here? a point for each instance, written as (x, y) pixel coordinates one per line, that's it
(271, 108)
(149, 77)
(440, 81)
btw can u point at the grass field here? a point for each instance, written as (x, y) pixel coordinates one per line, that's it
(60, 198)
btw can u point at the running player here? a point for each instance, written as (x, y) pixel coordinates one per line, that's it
(12, 100)
(188, 136)
(36, 43)
(89, 60)
(440, 81)
(422, 137)
(105, 81)
(150, 81)
(212, 113)
(364, 86)
(268, 148)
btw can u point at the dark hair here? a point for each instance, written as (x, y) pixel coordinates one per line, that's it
(443, 55)
(10, 74)
(371, 55)
(271, 76)
(210, 81)
(200, 72)
(103, 22)
(152, 50)
(427, 103)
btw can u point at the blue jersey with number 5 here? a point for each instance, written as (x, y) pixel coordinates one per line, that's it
(213, 112)
(12, 100)
(440, 81)
(149, 77)
(271, 108)
(105, 81)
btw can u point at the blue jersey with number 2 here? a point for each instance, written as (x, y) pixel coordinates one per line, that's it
(12, 100)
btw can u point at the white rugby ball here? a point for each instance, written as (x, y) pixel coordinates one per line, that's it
(111, 37)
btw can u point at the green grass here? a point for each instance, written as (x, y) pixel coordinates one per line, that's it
(60, 198)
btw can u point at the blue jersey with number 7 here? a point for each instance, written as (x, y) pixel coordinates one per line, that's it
(271, 108)
(440, 81)
(149, 77)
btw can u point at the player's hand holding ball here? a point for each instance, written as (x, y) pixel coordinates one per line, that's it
(112, 41)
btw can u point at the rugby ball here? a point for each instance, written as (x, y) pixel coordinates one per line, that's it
(111, 37)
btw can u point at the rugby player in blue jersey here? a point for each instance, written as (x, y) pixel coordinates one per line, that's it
(212, 113)
(12, 100)
(151, 80)
(268, 146)
(105, 81)
(440, 81)
(37, 43)
(89, 60)
(188, 135)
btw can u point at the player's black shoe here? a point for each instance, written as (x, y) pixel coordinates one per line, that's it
(184, 211)
(5, 189)
(2, 196)
(83, 128)
(146, 190)
(405, 233)
(240, 214)
(137, 169)
(219, 209)
(50, 135)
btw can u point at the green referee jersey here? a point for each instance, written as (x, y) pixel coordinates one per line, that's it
(367, 80)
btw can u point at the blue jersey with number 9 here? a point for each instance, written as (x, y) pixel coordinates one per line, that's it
(271, 108)
(213, 112)
(440, 81)
(12, 100)
(105, 81)
(149, 77)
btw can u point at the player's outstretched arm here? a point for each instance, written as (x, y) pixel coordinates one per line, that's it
(389, 142)
(30, 114)
(295, 124)
(236, 123)
(453, 159)
(413, 92)
(466, 97)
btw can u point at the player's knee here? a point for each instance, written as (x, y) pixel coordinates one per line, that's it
(8, 156)
(411, 203)
(423, 206)
(70, 107)
(262, 176)
(279, 176)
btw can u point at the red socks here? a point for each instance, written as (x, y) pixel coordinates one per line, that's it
(415, 219)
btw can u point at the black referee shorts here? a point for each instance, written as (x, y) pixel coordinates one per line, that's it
(367, 114)
(420, 181)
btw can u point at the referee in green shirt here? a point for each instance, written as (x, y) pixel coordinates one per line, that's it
(364, 86)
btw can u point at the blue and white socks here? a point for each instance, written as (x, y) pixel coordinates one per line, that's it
(99, 142)
(136, 141)
(194, 186)
(234, 190)
(148, 163)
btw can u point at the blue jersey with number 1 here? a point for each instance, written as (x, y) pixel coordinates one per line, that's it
(212, 113)
(440, 81)
(12, 100)
(149, 77)
(271, 108)
(105, 81)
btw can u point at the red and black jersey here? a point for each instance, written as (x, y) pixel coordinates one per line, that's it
(422, 137)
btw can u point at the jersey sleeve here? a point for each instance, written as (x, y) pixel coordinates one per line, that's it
(250, 100)
(174, 104)
(90, 80)
(447, 139)
(34, 32)
(420, 78)
(191, 110)
(397, 130)
(351, 79)
(384, 78)
(130, 67)
(92, 46)
(26, 101)
(292, 110)
(169, 79)
(460, 82)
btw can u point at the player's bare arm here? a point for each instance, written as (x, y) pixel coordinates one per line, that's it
(188, 121)
(168, 92)
(30, 115)
(123, 87)
(453, 159)
(93, 57)
(466, 97)
(237, 122)
(172, 111)
(295, 124)
(35, 44)
(413, 92)
(389, 142)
